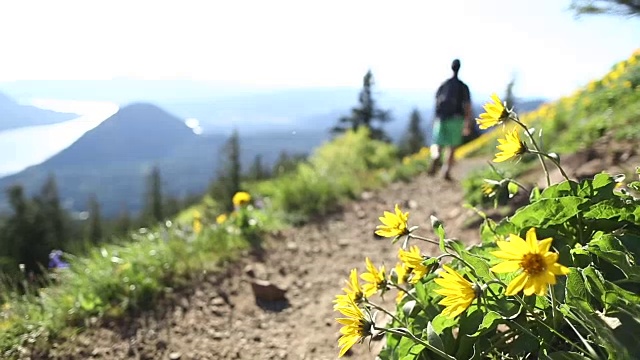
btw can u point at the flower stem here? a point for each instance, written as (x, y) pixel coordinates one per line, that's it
(406, 333)
(535, 145)
(543, 323)
(384, 311)
(424, 239)
(554, 161)
(406, 292)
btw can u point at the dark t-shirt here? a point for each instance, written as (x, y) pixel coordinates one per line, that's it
(451, 97)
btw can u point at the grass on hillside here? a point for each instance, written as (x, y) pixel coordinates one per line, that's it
(608, 106)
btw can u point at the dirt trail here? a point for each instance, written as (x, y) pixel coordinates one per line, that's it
(221, 320)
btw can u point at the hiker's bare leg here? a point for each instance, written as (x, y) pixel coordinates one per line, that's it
(446, 171)
(435, 159)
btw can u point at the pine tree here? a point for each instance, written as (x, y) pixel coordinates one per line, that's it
(154, 206)
(414, 138)
(366, 113)
(607, 7)
(55, 218)
(94, 229)
(123, 223)
(258, 171)
(229, 174)
(26, 233)
(509, 96)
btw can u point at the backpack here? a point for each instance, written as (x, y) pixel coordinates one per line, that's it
(449, 99)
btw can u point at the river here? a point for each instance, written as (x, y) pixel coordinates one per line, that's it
(24, 147)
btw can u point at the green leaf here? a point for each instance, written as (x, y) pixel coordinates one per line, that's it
(545, 212)
(414, 352)
(609, 248)
(455, 245)
(489, 322)
(575, 285)
(535, 194)
(480, 265)
(614, 209)
(442, 322)
(513, 189)
(438, 228)
(594, 282)
(433, 338)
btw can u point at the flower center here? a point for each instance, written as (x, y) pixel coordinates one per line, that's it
(533, 264)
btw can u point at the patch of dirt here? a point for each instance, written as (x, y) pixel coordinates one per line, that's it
(220, 318)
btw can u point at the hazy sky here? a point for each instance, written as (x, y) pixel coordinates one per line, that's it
(297, 43)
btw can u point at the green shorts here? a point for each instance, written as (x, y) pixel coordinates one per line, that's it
(448, 132)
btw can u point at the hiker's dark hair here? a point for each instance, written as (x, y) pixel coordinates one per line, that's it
(455, 66)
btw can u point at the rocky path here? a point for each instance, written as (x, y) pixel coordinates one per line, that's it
(220, 319)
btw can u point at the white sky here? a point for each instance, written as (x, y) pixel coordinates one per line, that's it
(299, 43)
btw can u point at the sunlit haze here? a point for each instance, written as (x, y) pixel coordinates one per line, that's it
(288, 44)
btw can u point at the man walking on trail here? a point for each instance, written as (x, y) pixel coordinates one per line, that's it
(453, 120)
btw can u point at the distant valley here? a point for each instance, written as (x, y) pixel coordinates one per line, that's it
(113, 159)
(14, 115)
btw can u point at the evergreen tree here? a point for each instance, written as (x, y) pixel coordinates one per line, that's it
(172, 206)
(94, 229)
(25, 233)
(153, 211)
(229, 174)
(287, 163)
(366, 113)
(55, 218)
(414, 137)
(258, 171)
(123, 223)
(608, 7)
(509, 96)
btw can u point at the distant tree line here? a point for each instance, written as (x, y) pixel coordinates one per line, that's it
(39, 224)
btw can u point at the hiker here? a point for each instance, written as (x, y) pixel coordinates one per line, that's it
(453, 120)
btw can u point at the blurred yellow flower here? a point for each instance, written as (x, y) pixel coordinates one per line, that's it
(393, 225)
(627, 84)
(355, 327)
(406, 160)
(375, 278)
(402, 271)
(457, 291)
(487, 189)
(353, 291)
(593, 85)
(221, 218)
(413, 261)
(241, 198)
(197, 222)
(495, 113)
(510, 146)
(538, 265)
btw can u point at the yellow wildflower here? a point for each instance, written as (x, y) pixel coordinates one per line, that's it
(510, 146)
(375, 278)
(393, 224)
(353, 291)
(197, 222)
(487, 189)
(457, 291)
(221, 218)
(538, 264)
(495, 113)
(241, 198)
(413, 260)
(355, 326)
(627, 84)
